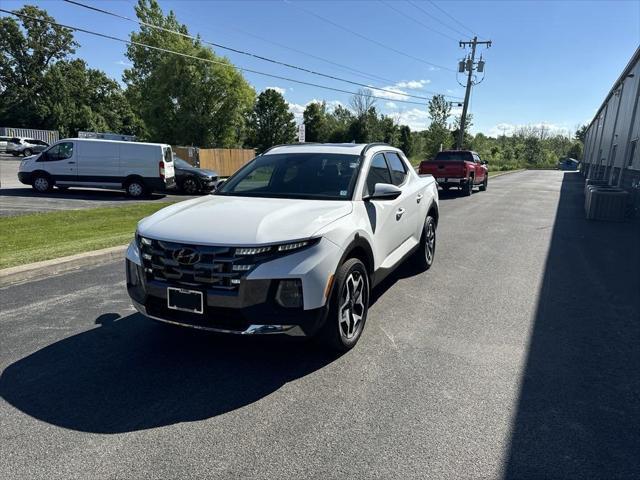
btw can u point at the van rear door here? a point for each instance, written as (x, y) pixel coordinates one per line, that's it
(169, 169)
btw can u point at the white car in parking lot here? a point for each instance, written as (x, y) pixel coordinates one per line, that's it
(292, 243)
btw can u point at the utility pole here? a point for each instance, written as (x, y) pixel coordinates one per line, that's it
(470, 66)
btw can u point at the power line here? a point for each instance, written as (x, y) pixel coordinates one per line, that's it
(452, 17)
(242, 52)
(227, 65)
(368, 39)
(418, 7)
(424, 25)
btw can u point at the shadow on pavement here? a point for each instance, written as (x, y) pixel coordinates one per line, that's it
(132, 374)
(578, 414)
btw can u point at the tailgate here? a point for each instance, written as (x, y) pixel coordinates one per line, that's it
(445, 169)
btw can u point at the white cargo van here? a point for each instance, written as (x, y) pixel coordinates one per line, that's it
(138, 168)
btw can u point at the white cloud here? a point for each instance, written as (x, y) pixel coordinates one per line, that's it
(297, 111)
(280, 90)
(416, 118)
(391, 105)
(413, 84)
(124, 63)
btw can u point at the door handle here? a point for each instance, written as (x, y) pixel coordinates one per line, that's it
(419, 197)
(399, 213)
(70, 162)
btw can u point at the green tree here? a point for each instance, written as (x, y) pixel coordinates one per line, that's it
(437, 135)
(27, 48)
(439, 110)
(271, 122)
(406, 141)
(339, 125)
(184, 100)
(581, 133)
(316, 122)
(81, 98)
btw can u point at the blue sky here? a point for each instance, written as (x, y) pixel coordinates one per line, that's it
(551, 62)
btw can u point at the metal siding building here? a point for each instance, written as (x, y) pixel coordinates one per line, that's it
(611, 151)
(49, 136)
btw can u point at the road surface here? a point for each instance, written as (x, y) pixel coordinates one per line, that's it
(515, 356)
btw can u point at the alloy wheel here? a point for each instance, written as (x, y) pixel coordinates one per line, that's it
(430, 243)
(134, 189)
(352, 305)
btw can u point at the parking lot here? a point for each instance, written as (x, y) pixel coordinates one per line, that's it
(17, 198)
(510, 358)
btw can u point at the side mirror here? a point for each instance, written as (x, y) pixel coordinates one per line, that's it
(484, 162)
(384, 191)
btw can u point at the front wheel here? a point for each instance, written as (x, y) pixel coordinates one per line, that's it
(426, 252)
(190, 186)
(42, 183)
(348, 306)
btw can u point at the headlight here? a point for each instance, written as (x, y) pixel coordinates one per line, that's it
(282, 248)
(140, 240)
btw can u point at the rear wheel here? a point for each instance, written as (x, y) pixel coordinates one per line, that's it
(42, 183)
(427, 250)
(27, 152)
(135, 188)
(485, 184)
(348, 306)
(467, 188)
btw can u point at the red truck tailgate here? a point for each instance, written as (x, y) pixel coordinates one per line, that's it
(446, 169)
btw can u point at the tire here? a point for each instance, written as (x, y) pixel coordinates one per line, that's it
(425, 254)
(467, 188)
(27, 152)
(190, 186)
(135, 188)
(42, 183)
(15, 154)
(349, 300)
(485, 183)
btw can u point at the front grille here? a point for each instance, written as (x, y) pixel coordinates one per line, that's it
(213, 268)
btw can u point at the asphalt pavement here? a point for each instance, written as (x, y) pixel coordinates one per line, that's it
(18, 199)
(515, 356)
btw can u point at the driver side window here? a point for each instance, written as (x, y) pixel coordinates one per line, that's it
(61, 151)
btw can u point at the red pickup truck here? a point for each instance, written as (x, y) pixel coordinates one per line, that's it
(457, 168)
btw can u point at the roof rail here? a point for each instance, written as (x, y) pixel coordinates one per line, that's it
(290, 145)
(375, 144)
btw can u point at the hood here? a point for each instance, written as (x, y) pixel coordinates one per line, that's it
(196, 171)
(226, 220)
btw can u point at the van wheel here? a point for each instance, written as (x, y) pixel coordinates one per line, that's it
(135, 189)
(42, 183)
(348, 307)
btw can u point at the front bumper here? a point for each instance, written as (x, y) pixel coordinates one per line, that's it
(25, 177)
(250, 310)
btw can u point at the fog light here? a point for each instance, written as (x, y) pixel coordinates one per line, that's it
(289, 293)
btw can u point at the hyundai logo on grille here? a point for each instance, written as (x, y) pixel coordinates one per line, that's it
(186, 256)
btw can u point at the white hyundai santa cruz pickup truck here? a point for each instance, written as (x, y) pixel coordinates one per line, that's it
(292, 243)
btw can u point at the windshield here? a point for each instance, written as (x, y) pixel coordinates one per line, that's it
(454, 157)
(180, 163)
(296, 175)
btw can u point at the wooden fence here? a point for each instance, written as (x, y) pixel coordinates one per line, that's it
(225, 161)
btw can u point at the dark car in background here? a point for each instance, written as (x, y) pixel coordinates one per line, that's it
(193, 180)
(25, 146)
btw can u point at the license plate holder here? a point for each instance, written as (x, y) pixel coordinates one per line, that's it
(184, 300)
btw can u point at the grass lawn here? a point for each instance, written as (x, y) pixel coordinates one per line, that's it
(42, 236)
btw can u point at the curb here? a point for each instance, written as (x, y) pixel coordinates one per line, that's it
(57, 266)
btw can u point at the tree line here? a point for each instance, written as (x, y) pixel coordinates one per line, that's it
(183, 101)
